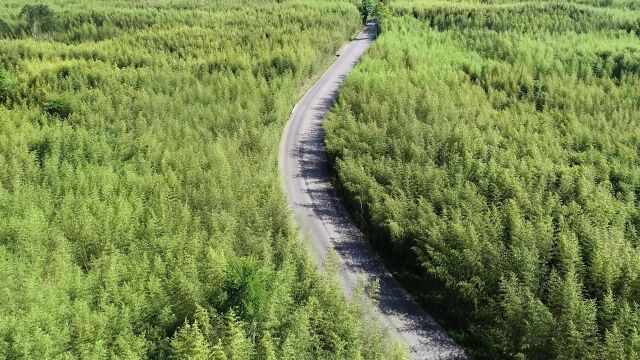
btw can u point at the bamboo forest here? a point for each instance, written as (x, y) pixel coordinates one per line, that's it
(491, 152)
(488, 151)
(141, 214)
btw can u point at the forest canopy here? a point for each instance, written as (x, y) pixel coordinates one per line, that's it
(141, 214)
(491, 151)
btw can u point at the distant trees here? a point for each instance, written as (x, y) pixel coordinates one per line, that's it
(39, 18)
(382, 14)
(377, 9)
(366, 8)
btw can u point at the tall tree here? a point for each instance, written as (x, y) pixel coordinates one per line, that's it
(39, 18)
(190, 344)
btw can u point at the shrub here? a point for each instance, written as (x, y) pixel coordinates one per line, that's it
(58, 107)
(8, 85)
(5, 29)
(39, 18)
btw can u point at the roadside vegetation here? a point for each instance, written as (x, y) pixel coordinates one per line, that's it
(141, 214)
(491, 152)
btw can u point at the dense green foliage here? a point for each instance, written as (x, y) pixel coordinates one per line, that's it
(495, 146)
(141, 214)
(378, 11)
(39, 18)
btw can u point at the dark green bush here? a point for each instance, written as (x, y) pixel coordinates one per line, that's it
(58, 107)
(39, 18)
(5, 29)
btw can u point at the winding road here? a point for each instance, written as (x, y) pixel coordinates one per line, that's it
(320, 215)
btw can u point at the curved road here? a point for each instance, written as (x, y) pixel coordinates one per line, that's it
(320, 215)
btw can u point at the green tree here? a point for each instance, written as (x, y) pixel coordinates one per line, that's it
(237, 344)
(39, 18)
(59, 107)
(614, 345)
(217, 352)
(189, 343)
(382, 15)
(366, 8)
(267, 348)
(8, 85)
(5, 29)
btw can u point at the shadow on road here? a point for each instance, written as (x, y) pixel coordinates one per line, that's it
(313, 178)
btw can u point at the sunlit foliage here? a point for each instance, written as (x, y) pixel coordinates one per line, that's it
(493, 147)
(141, 214)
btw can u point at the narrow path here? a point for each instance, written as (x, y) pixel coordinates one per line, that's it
(320, 215)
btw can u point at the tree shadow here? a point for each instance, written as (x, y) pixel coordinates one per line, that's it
(356, 254)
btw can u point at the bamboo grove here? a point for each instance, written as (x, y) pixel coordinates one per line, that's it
(491, 150)
(141, 214)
